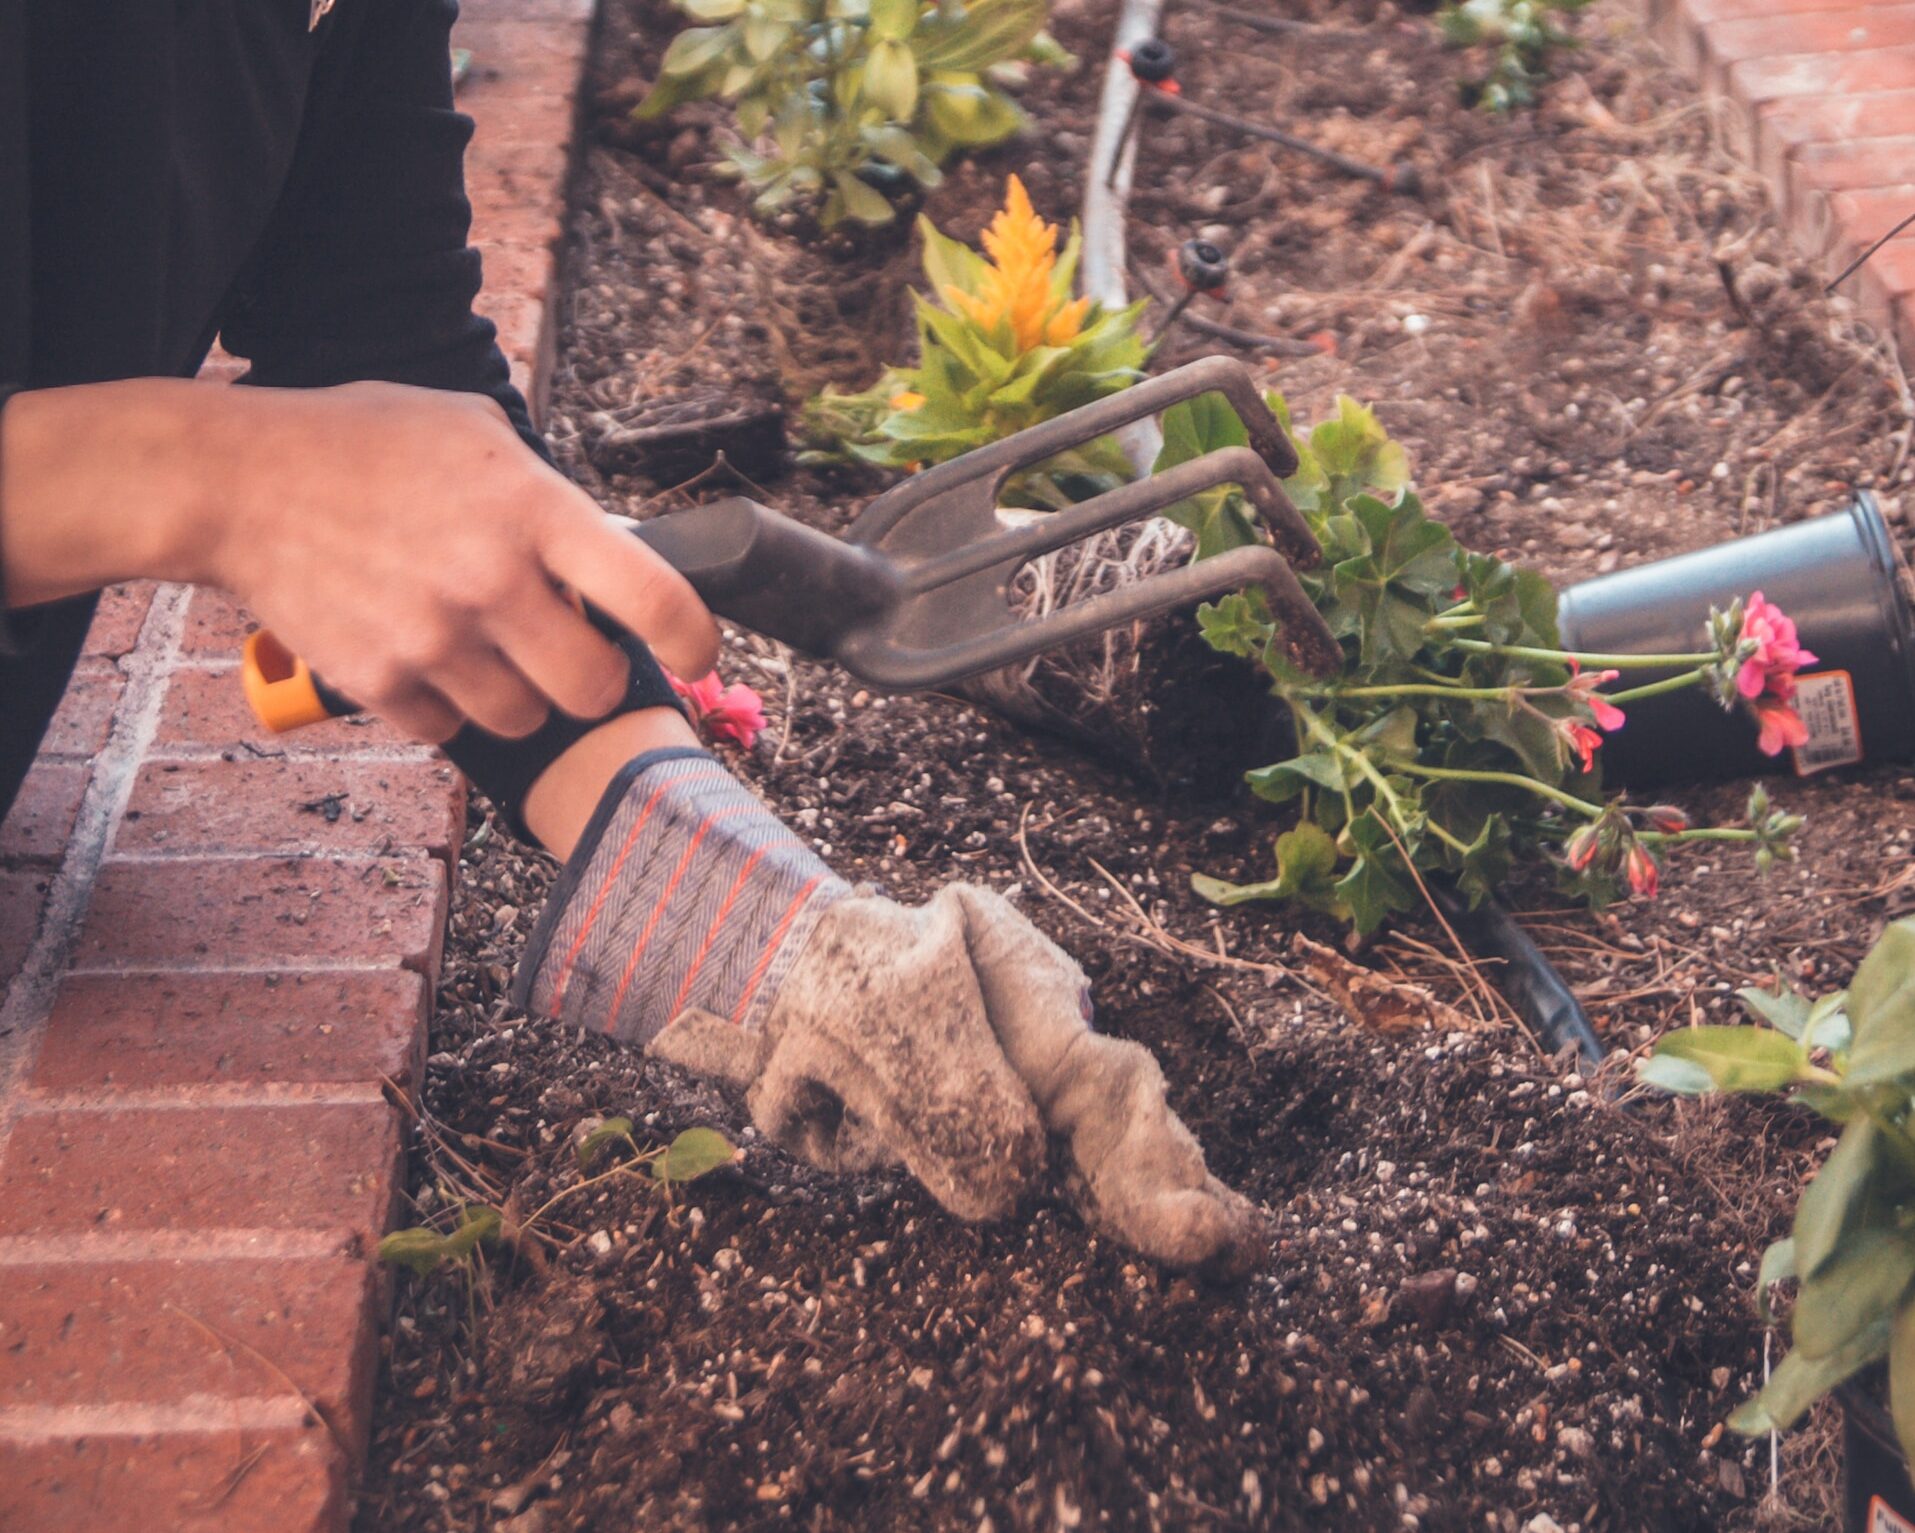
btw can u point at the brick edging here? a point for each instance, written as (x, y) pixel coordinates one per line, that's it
(1821, 97)
(217, 954)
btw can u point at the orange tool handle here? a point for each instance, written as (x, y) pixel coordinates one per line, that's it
(282, 690)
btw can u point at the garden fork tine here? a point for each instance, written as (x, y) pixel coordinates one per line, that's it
(1059, 529)
(956, 561)
(992, 464)
(1306, 638)
(919, 592)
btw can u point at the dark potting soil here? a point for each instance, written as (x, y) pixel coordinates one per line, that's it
(1494, 1300)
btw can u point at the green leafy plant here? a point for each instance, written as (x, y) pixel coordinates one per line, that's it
(424, 1249)
(1002, 345)
(1521, 34)
(835, 98)
(1459, 734)
(1849, 1056)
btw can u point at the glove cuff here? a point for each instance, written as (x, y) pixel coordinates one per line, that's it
(684, 892)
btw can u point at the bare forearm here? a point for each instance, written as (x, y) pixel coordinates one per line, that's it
(113, 481)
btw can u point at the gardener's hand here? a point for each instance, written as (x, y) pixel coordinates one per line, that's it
(949, 1038)
(403, 541)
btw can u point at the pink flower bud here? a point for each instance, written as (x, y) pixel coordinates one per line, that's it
(1641, 871)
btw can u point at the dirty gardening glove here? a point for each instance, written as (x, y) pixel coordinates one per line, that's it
(948, 1038)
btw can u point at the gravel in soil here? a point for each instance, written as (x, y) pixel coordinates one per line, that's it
(1495, 1299)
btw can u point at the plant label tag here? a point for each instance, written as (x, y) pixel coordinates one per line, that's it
(1883, 1519)
(1825, 702)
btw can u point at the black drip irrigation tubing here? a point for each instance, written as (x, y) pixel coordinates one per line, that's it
(1528, 980)
(1391, 178)
(1276, 345)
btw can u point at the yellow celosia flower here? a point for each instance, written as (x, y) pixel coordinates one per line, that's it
(1016, 286)
(909, 400)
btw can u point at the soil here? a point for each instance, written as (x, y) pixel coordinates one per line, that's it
(1498, 1297)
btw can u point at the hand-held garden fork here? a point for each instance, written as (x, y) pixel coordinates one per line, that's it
(918, 593)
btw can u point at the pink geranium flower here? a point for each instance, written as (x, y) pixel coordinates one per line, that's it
(1583, 742)
(1781, 725)
(1606, 714)
(722, 712)
(1776, 657)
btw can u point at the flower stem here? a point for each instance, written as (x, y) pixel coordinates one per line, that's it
(1583, 657)
(1655, 688)
(1418, 689)
(1508, 779)
(1705, 833)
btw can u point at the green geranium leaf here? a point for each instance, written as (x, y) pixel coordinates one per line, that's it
(1901, 1377)
(1738, 1058)
(1799, 1381)
(1376, 884)
(610, 1132)
(1844, 1197)
(1787, 1011)
(1679, 1077)
(1881, 1009)
(1861, 1286)
(1236, 625)
(423, 1250)
(692, 1154)
(1778, 1266)
(1284, 781)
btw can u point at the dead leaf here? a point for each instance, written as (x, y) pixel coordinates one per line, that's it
(1373, 1000)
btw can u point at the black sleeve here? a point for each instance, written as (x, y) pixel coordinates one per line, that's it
(365, 271)
(10, 642)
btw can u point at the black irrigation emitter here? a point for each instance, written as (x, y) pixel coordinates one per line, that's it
(1153, 64)
(1204, 271)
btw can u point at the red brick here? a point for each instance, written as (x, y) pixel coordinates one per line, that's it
(523, 222)
(215, 624)
(224, 1478)
(265, 913)
(1757, 81)
(1785, 127)
(1706, 11)
(305, 1166)
(521, 56)
(471, 11)
(1850, 166)
(294, 805)
(507, 119)
(521, 271)
(503, 174)
(85, 716)
(124, 1033)
(37, 826)
(1842, 31)
(205, 709)
(116, 623)
(100, 1333)
(525, 335)
(1847, 223)
(1891, 270)
(21, 897)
